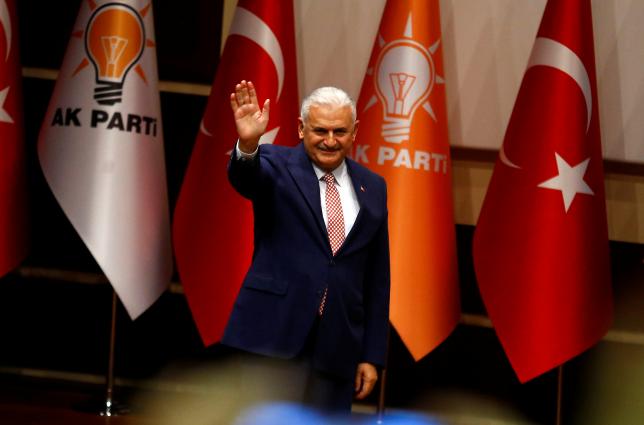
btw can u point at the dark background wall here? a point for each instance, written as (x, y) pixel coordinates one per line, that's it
(55, 309)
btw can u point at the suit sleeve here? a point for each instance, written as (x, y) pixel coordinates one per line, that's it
(243, 174)
(376, 296)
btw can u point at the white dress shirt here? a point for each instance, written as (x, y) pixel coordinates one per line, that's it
(348, 198)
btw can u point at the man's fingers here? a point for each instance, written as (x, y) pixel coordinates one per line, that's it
(266, 108)
(360, 386)
(238, 96)
(366, 378)
(252, 94)
(366, 387)
(241, 93)
(248, 93)
(233, 102)
(245, 94)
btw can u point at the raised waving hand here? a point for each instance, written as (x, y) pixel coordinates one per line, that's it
(250, 119)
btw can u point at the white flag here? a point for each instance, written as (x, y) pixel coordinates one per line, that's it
(101, 148)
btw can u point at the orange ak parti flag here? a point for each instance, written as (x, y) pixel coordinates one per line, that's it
(213, 224)
(541, 242)
(13, 182)
(403, 137)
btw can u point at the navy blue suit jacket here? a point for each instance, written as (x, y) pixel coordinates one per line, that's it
(293, 263)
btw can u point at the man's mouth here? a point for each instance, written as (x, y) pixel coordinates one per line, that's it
(327, 149)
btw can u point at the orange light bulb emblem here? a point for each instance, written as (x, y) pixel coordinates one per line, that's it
(405, 75)
(114, 40)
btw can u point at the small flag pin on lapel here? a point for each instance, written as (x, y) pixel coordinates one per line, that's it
(362, 189)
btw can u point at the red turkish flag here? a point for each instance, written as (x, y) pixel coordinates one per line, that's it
(541, 242)
(213, 225)
(13, 191)
(403, 137)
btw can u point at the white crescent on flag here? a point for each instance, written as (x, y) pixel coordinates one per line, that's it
(203, 129)
(5, 20)
(250, 26)
(504, 159)
(548, 52)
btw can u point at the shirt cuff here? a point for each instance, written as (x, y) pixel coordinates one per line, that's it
(243, 155)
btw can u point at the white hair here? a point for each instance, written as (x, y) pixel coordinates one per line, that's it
(327, 96)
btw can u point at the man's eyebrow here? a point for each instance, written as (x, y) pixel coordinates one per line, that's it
(333, 129)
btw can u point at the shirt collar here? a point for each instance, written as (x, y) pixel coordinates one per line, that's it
(340, 173)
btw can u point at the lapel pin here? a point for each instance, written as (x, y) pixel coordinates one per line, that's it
(362, 189)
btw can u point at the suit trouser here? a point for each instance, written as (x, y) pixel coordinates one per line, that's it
(295, 380)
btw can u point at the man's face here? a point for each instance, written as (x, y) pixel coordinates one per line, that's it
(328, 135)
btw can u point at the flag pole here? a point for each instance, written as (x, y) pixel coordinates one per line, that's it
(380, 412)
(109, 407)
(381, 396)
(559, 393)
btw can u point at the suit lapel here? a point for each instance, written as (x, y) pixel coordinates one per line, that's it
(300, 168)
(361, 194)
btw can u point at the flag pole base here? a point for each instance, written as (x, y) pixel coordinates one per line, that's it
(107, 406)
(104, 408)
(113, 409)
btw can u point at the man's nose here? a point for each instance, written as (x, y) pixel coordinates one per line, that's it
(329, 138)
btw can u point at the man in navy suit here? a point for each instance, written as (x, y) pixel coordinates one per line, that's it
(318, 285)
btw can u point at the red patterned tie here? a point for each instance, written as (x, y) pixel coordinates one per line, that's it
(335, 221)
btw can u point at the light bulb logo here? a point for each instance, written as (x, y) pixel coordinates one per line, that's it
(404, 75)
(114, 41)
(404, 79)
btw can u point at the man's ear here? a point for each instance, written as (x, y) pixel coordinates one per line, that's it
(300, 127)
(355, 128)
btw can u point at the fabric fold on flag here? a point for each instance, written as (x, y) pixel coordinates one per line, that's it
(101, 148)
(403, 137)
(541, 241)
(213, 226)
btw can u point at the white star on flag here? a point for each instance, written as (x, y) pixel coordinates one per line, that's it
(4, 115)
(570, 180)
